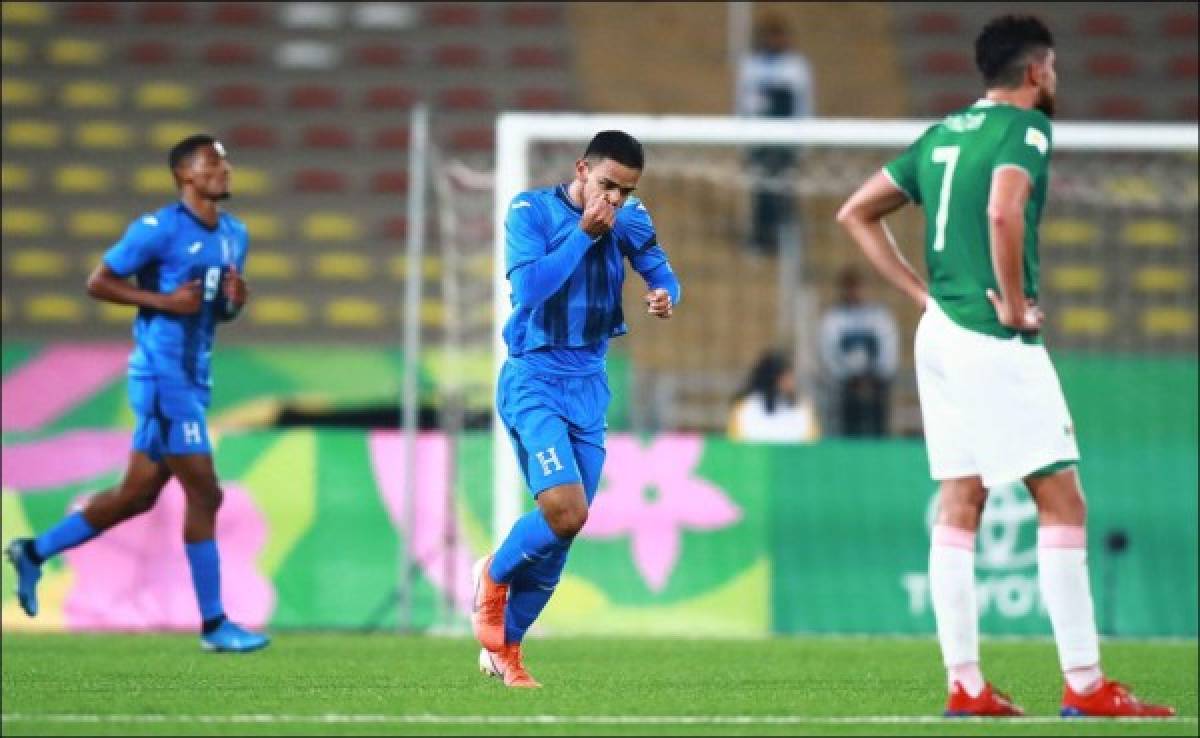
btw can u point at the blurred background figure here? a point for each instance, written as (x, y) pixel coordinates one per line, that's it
(773, 81)
(768, 407)
(858, 354)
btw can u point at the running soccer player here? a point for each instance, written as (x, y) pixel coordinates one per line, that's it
(565, 253)
(188, 259)
(991, 402)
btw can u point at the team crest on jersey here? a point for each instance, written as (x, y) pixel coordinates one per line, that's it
(1037, 140)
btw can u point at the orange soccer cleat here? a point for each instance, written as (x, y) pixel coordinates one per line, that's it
(989, 703)
(487, 609)
(1110, 699)
(506, 664)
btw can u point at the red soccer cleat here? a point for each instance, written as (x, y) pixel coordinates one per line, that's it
(1111, 699)
(989, 703)
(487, 611)
(509, 666)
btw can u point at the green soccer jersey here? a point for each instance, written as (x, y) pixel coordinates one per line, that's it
(948, 171)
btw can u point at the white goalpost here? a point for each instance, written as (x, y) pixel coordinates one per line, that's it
(517, 135)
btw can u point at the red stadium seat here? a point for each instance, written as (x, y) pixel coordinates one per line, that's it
(150, 53)
(1119, 107)
(394, 228)
(947, 63)
(388, 98)
(473, 139)
(391, 138)
(228, 53)
(1108, 25)
(324, 181)
(540, 98)
(314, 97)
(252, 136)
(239, 14)
(381, 55)
(531, 14)
(465, 98)
(163, 13)
(92, 13)
(454, 15)
(535, 56)
(945, 102)
(1183, 66)
(389, 182)
(327, 137)
(1180, 25)
(458, 55)
(935, 22)
(1111, 65)
(239, 96)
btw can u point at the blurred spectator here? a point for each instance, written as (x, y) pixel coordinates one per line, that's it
(858, 352)
(773, 81)
(768, 409)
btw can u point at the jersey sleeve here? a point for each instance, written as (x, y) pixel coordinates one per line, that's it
(639, 242)
(524, 236)
(143, 243)
(1027, 143)
(903, 170)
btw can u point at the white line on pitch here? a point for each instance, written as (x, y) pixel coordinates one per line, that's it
(333, 718)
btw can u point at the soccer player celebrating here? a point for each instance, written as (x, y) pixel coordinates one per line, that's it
(565, 253)
(187, 259)
(991, 402)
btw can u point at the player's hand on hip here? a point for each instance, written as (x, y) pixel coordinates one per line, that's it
(658, 303)
(1025, 317)
(234, 287)
(185, 300)
(598, 216)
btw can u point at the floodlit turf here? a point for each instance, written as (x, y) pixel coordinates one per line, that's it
(338, 684)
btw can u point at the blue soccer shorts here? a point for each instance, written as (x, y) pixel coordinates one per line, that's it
(556, 425)
(170, 417)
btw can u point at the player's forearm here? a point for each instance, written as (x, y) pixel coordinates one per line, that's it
(536, 281)
(106, 286)
(1007, 232)
(876, 242)
(663, 277)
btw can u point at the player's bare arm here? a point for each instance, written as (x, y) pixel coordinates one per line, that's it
(104, 284)
(862, 216)
(1006, 227)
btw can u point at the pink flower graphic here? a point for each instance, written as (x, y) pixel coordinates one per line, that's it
(136, 576)
(652, 495)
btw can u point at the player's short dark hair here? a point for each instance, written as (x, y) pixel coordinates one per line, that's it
(1005, 45)
(183, 150)
(618, 146)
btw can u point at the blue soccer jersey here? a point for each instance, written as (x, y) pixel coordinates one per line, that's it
(578, 318)
(164, 250)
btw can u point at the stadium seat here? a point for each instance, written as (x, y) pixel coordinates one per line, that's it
(1069, 232)
(15, 178)
(20, 93)
(317, 16)
(531, 15)
(342, 265)
(103, 135)
(1119, 107)
(327, 226)
(76, 52)
(13, 51)
(431, 267)
(433, 313)
(153, 180)
(1085, 321)
(314, 97)
(272, 310)
(54, 308)
(150, 53)
(1157, 279)
(309, 55)
(465, 98)
(246, 15)
(1111, 65)
(319, 181)
(113, 313)
(82, 179)
(458, 56)
(31, 134)
(89, 94)
(251, 136)
(473, 139)
(250, 180)
(1105, 25)
(384, 16)
(947, 64)
(262, 226)
(380, 55)
(1159, 322)
(24, 222)
(536, 57)
(92, 13)
(389, 182)
(327, 137)
(945, 102)
(391, 138)
(353, 312)
(1153, 233)
(237, 96)
(163, 13)
(162, 136)
(230, 53)
(262, 264)
(394, 228)
(540, 98)
(457, 15)
(936, 23)
(1180, 26)
(1184, 66)
(1077, 279)
(163, 96)
(388, 97)
(37, 263)
(1130, 190)
(96, 224)
(24, 14)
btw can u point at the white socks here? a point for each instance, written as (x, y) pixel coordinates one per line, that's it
(952, 588)
(1063, 581)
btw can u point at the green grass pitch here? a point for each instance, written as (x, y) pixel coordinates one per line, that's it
(347, 684)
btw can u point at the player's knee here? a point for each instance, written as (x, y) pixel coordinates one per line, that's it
(208, 498)
(567, 521)
(143, 502)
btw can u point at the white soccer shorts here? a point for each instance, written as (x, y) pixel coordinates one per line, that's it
(992, 407)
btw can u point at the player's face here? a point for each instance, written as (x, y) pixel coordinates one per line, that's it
(615, 181)
(1046, 79)
(208, 172)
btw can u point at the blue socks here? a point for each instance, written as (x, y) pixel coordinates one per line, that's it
(529, 541)
(206, 578)
(530, 591)
(68, 533)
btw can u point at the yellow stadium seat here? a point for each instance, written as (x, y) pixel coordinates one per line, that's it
(24, 222)
(353, 311)
(54, 308)
(249, 181)
(154, 180)
(342, 265)
(1069, 232)
(82, 179)
(76, 52)
(162, 136)
(1161, 279)
(1168, 322)
(112, 313)
(269, 264)
(1086, 321)
(13, 51)
(90, 261)
(433, 313)
(164, 96)
(262, 226)
(101, 134)
(278, 311)
(100, 224)
(330, 227)
(1131, 190)
(1077, 278)
(15, 178)
(480, 315)
(25, 14)
(20, 93)
(431, 267)
(1152, 232)
(37, 263)
(89, 94)
(479, 266)
(31, 134)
